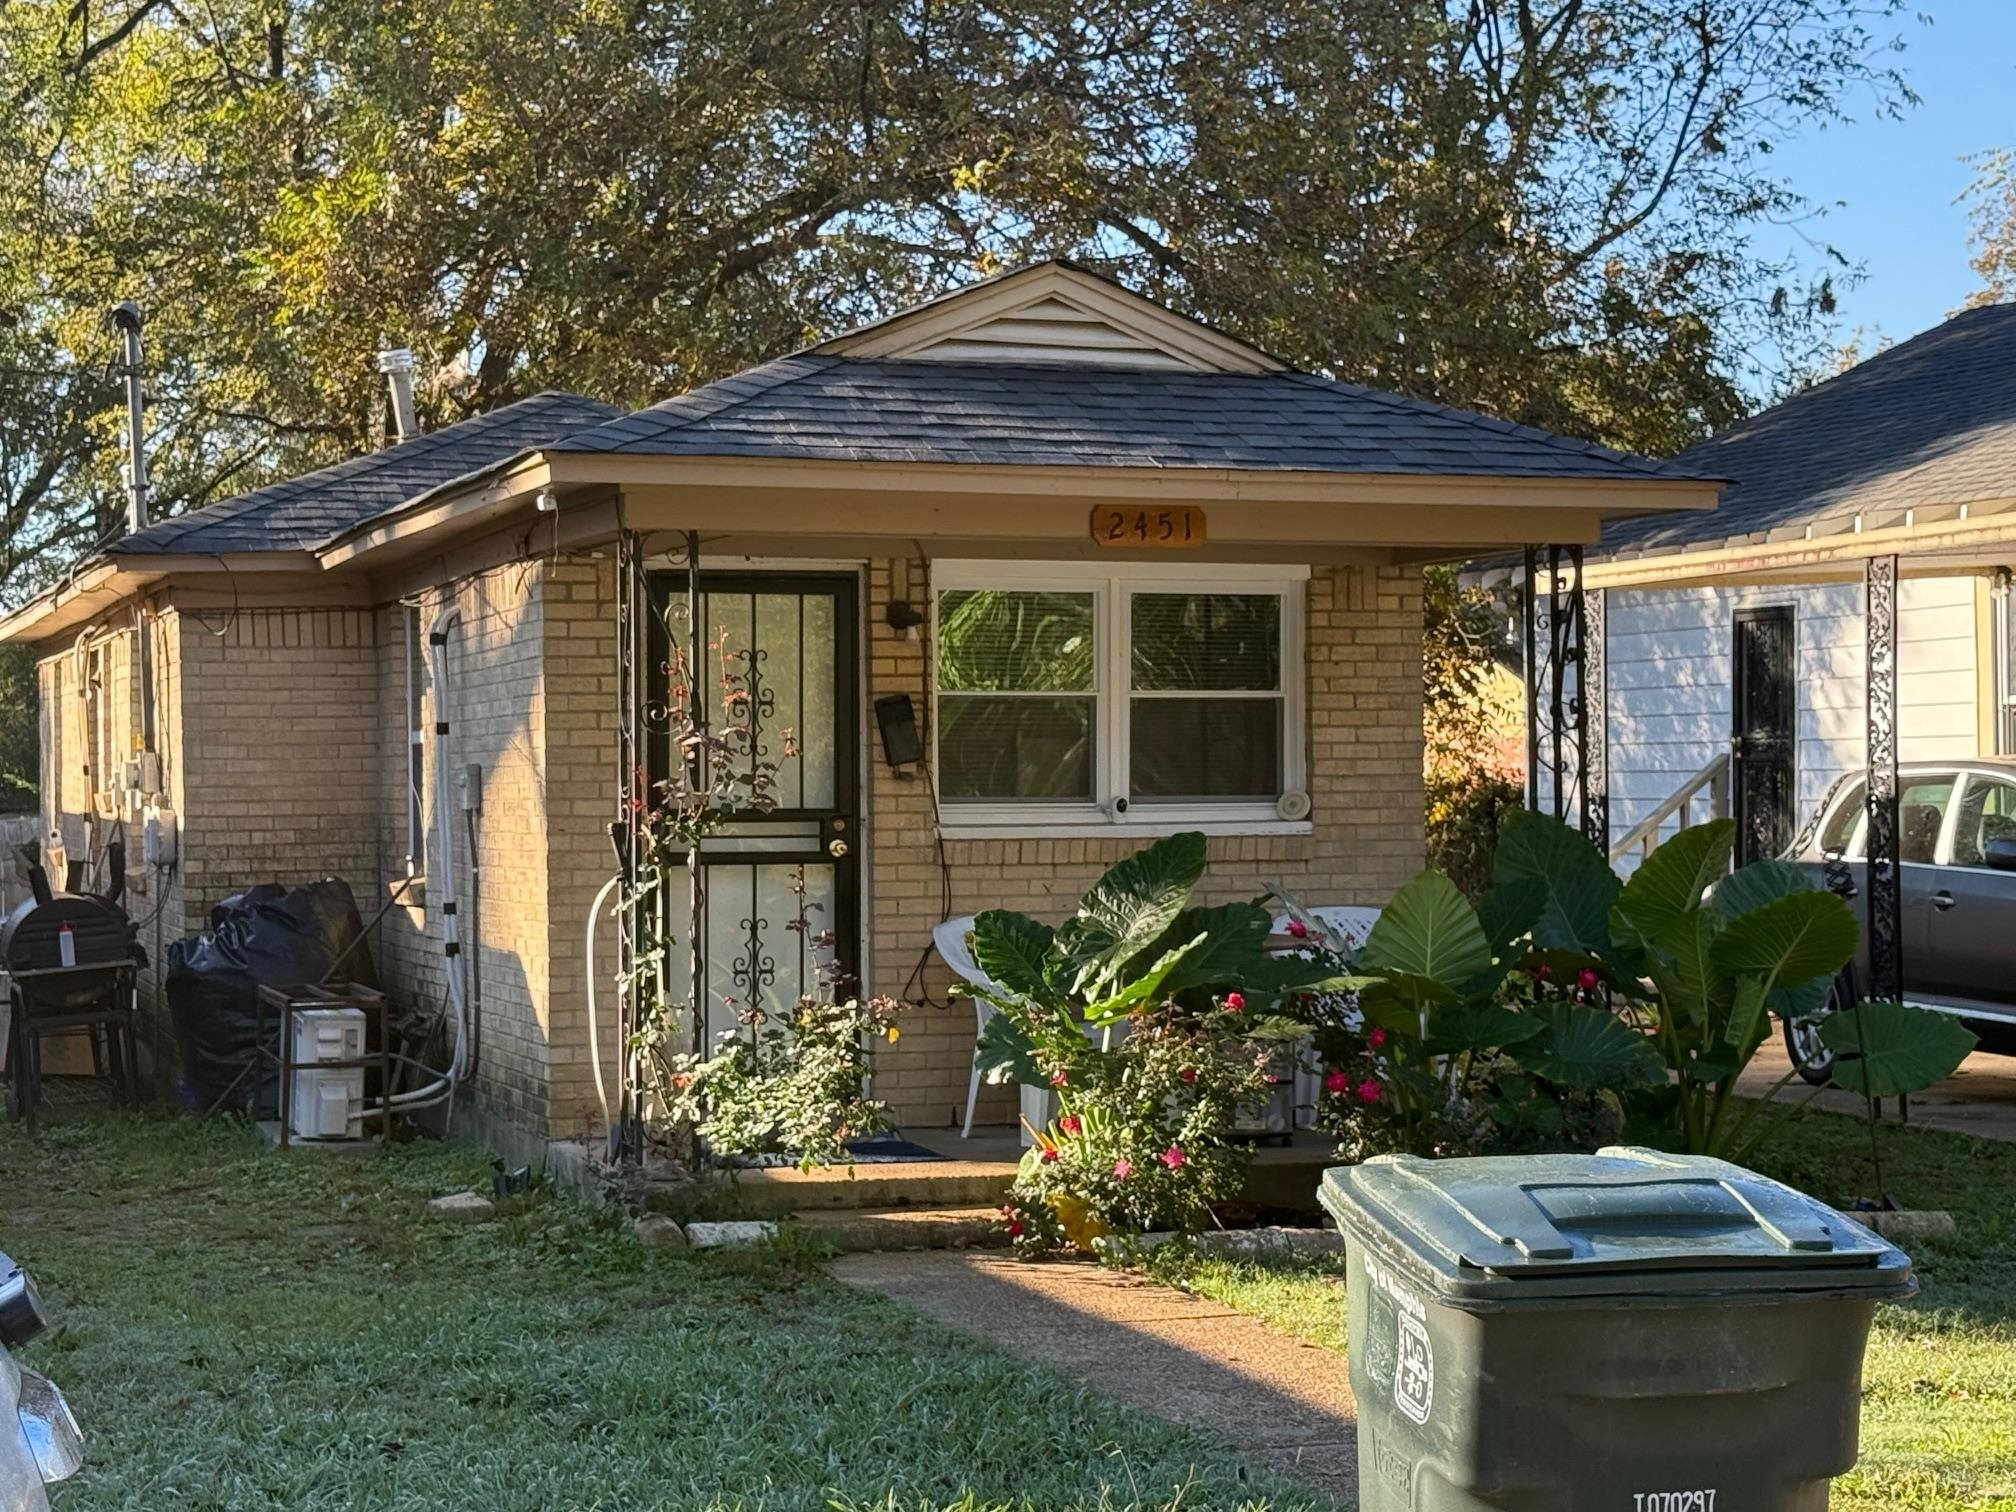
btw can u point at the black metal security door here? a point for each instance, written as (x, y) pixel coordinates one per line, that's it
(1765, 734)
(780, 886)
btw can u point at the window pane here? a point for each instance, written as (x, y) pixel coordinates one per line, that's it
(1206, 748)
(1038, 748)
(1988, 812)
(1197, 642)
(1921, 810)
(1841, 823)
(993, 640)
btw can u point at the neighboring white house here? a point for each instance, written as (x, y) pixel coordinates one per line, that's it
(1744, 634)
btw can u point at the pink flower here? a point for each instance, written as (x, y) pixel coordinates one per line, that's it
(1123, 1168)
(1069, 1123)
(1588, 978)
(1235, 1002)
(1173, 1158)
(1059, 1079)
(1188, 1076)
(1298, 929)
(1376, 1038)
(1049, 1154)
(1368, 1091)
(1336, 1081)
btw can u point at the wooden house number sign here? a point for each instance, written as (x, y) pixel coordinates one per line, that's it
(1165, 527)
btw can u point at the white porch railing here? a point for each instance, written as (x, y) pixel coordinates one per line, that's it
(1644, 836)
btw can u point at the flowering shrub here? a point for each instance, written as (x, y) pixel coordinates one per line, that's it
(1142, 1141)
(797, 1093)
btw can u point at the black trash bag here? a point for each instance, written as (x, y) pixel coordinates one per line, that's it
(265, 936)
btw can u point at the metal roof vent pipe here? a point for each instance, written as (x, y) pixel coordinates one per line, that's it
(126, 316)
(396, 363)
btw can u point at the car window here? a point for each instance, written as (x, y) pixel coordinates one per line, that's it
(1921, 811)
(1987, 812)
(1839, 831)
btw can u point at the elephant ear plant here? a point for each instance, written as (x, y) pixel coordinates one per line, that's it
(1153, 1020)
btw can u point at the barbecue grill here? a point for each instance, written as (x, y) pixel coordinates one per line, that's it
(71, 962)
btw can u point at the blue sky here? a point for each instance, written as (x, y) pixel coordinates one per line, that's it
(1890, 186)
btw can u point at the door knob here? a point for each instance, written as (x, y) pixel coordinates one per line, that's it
(1942, 901)
(836, 848)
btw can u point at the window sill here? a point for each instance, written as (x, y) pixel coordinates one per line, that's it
(1132, 829)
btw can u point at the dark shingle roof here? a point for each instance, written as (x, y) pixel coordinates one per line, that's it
(304, 511)
(823, 408)
(1927, 425)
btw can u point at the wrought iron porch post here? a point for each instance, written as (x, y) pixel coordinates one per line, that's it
(1886, 903)
(631, 607)
(1565, 724)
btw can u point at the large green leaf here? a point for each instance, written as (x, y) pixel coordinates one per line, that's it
(1129, 908)
(1457, 1029)
(1671, 880)
(1149, 987)
(1429, 930)
(1790, 940)
(1589, 1049)
(1404, 1003)
(1508, 912)
(1577, 881)
(1013, 949)
(1682, 966)
(1749, 1018)
(1892, 1049)
(1757, 884)
(1004, 1052)
(1234, 942)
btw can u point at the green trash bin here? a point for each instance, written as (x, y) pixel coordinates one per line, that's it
(1628, 1331)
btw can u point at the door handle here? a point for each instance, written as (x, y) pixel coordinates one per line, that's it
(836, 848)
(1942, 900)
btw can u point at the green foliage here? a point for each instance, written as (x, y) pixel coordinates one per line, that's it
(1576, 884)
(797, 1091)
(628, 200)
(1892, 1049)
(20, 739)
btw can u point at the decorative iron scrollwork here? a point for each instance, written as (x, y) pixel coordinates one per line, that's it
(1566, 720)
(1886, 899)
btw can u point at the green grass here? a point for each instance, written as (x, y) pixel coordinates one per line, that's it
(240, 1329)
(1939, 1388)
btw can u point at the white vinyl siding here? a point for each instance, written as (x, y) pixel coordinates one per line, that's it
(1669, 666)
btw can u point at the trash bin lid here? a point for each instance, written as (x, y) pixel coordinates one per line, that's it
(1623, 1220)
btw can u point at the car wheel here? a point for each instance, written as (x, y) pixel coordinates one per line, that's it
(1809, 1053)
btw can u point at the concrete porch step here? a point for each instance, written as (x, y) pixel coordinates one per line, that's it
(928, 1184)
(863, 1232)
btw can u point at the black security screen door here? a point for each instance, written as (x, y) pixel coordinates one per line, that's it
(790, 641)
(1765, 733)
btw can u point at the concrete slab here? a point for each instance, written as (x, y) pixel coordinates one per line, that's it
(1283, 1405)
(1979, 1099)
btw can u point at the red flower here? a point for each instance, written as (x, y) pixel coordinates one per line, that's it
(1298, 929)
(1014, 1231)
(1376, 1038)
(1069, 1123)
(1188, 1076)
(1235, 1002)
(1059, 1079)
(1588, 978)
(1123, 1168)
(1049, 1154)
(1368, 1091)
(1336, 1081)
(1173, 1158)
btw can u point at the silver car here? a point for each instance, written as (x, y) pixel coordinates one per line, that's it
(1956, 828)
(39, 1441)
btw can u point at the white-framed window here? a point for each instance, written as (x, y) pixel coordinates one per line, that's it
(1079, 696)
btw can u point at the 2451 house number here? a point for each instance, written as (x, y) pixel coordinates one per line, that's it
(1165, 527)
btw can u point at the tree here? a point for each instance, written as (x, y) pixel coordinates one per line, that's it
(1543, 208)
(1992, 227)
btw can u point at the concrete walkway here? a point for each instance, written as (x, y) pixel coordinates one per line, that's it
(1978, 1099)
(1283, 1405)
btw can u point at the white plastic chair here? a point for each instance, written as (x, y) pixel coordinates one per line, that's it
(1350, 925)
(955, 951)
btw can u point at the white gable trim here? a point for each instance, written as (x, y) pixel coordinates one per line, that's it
(1052, 313)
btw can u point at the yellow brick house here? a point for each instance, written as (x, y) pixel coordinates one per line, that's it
(1025, 575)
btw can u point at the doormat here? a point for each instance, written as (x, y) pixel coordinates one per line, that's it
(881, 1149)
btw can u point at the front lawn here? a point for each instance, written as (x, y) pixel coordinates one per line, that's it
(1939, 1390)
(242, 1330)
